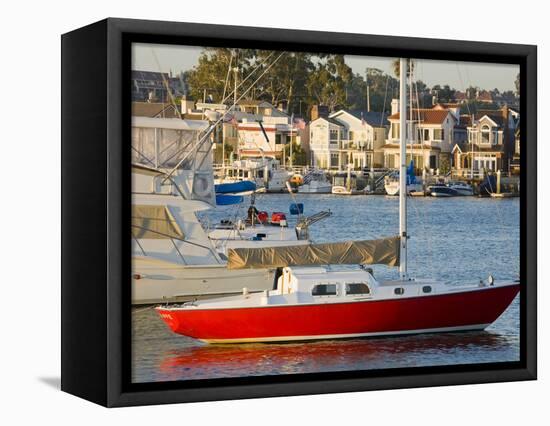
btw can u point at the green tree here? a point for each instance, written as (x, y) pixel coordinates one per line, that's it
(445, 93)
(327, 81)
(286, 80)
(214, 72)
(298, 155)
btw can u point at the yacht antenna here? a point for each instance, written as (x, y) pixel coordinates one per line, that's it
(403, 168)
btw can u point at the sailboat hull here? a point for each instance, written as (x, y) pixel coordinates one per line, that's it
(454, 311)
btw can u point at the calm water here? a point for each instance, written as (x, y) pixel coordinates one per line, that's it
(457, 240)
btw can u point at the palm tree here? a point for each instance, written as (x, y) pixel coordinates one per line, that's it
(396, 65)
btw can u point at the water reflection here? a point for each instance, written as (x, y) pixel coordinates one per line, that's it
(260, 359)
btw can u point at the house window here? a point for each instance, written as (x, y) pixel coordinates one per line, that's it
(395, 131)
(333, 136)
(333, 160)
(324, 290)
(278, 139)
(425, 134)
(357, 289)
(439, 134)
(350, 135)
(485, 134)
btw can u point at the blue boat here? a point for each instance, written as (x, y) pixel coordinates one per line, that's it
(235, 187)
(228, 200)
(296, 208)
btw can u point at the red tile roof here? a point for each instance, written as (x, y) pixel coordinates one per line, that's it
(427, 116)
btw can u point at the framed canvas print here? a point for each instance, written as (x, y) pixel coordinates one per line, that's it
(252, 212)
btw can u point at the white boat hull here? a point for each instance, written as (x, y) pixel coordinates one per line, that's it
(392, 188)
(321, 189)
(464, 192)
(157, 281)
(342, 190)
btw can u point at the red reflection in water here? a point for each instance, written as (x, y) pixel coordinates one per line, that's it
(254, 359)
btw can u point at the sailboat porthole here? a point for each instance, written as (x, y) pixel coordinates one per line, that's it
(427, 289)
(399, 291)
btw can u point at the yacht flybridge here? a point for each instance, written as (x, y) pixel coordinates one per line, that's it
(172, 257)
(312, 300)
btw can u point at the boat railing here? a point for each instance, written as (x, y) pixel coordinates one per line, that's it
(172, 238)
(382, 179)
(313, 175)
(474, 174)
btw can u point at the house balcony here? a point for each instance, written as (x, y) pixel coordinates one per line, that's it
(431, 143)
(354, 145)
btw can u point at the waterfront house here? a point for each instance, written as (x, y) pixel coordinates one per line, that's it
(245, 134)
(365, 134)
(269, 141)
(490, 143)
(429, 137)
(325, 136)
(515, 163)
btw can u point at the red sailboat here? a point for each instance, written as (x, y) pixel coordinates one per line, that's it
(323, 302)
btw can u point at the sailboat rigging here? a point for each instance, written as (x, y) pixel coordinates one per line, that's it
(319, 301)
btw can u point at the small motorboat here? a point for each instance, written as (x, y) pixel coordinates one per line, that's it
(311, 303)
(342, 190)
(346, 184)
(502, 194)
(391, 182)
(461, 188)
(442, 190)
(315, 182)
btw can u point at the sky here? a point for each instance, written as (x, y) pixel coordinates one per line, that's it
(459, 75)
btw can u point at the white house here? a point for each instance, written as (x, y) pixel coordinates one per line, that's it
(325, 136)
(366, 134)
(347, 137)
(254, 142)
(244, 133)
(490, 143)
(429, 137)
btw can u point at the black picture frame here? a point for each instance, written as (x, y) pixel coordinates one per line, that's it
(96, 212)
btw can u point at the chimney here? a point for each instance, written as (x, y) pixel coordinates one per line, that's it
(394, 106)
(505, 112)
(319, 111)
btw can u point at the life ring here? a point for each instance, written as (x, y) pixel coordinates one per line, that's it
(202, 186)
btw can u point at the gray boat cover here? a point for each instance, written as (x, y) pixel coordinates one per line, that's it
(154, 222)
(383, 252)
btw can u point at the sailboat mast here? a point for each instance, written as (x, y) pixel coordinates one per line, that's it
(403, 167)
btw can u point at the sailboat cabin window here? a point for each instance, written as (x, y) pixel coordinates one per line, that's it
(357, 289)
(324, 290)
